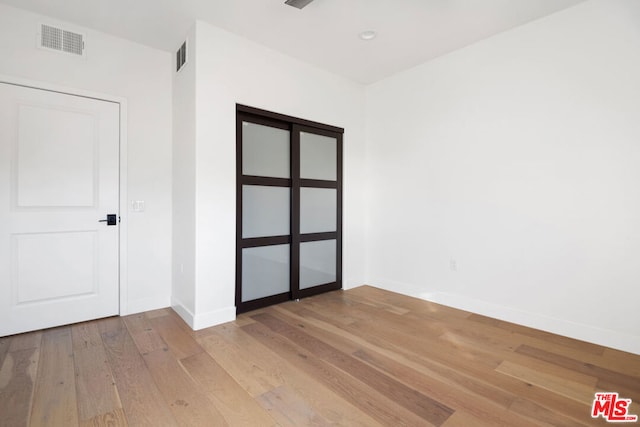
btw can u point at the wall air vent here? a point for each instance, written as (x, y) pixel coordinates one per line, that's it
(181, 56)
(54, 38)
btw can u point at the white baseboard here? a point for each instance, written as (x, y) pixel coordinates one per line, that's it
(203, 320)
(183, 312)
(589, 333)
(215, 317)
(398, 287)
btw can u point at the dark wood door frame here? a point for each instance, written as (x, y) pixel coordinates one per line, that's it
(295, 126)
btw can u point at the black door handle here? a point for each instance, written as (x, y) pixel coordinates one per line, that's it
(112, 219)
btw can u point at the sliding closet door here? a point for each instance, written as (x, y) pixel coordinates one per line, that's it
(317, 207)
(263, 249)
(289, 204)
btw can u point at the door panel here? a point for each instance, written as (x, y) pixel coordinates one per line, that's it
(59, 175)
(317, 195)
(265, 211)
(265, 151)
(289, 227)
(265, 271)
(318, 210)
(70, 257)
(317, 263)
(263, 248)
(318, 156)
(55, 167)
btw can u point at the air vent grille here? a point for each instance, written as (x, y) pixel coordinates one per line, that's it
(72, 42)
(298, 3)
(61, 40)
(181, 56)
(51, 37)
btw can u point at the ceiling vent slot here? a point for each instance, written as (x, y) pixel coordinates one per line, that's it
(181, 56)
(60, 40)
(298, 3)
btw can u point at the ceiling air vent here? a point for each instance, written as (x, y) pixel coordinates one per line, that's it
(298, 3)
(60, 40)
(181, 56)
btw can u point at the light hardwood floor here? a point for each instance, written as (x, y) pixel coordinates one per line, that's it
(362, 357)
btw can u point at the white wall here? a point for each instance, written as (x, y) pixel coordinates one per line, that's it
(517, 159)
(142, 75)
(183, 296)
(233, 70)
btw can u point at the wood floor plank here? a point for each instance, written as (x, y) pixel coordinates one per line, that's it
(582, 346)
(189, 407)
(615, 358)
(377, 405)
(609, 359)
(494, 346)
(235, 351)
(450, 388)
(26, 341)
(158, 313)
(142, 402)
(237, 406)
(17, 379)
(427, 408)
(333, 308)
(439, 350)
(456, 366)
(454, 387)
(187, 329)
(382, 304)
(115, 418)
(95, 386)
(288, 409)
(109, 324)
(537, 412)
(362, 357)
(625, 392)
(618, 377)
(179, 342)
(4, 347)
(236, 355)
(54, 399)
(474, 405)
(463, 419)
(143, 334)
(495, 335)
(420, 333)
(407, 302)
(573, 390)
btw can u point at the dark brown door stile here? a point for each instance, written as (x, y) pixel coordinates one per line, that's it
(295, 213)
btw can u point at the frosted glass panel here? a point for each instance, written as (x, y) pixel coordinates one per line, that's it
(265, 271)
(317, 263)
(265, 211)
(265, 151)
(318, 207)
(318, 157)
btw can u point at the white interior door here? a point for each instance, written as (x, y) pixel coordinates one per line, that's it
(59, 175)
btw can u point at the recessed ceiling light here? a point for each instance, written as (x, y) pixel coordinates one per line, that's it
(368, 35)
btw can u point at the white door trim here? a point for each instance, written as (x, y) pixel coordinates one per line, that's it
(122, 257)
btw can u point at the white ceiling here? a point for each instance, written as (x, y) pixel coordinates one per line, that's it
(325, 33)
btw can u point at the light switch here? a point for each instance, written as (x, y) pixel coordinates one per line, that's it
(137, 205)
